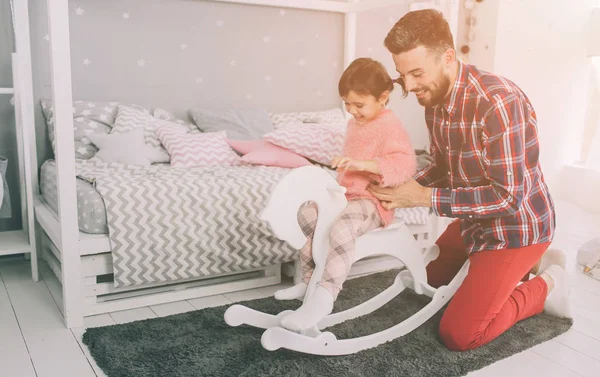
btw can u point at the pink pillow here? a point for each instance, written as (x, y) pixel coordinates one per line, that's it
(196, 149)
(260, 152)
(247, 146)
(318, 142)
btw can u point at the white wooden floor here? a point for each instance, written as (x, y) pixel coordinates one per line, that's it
(34, 341)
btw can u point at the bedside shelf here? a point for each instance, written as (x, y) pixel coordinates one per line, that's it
(14, 242)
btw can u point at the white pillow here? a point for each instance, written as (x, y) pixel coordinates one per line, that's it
(196, 149)
(318, 142)
(132, 117)
(127, 148)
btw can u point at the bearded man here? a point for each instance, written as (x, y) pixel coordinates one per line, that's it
(486, 174)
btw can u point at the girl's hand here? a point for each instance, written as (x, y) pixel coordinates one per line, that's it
(342, 163)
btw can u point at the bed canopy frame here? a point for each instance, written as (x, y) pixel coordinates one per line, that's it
(64, 233)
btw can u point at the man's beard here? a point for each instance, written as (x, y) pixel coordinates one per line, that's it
(437, 94)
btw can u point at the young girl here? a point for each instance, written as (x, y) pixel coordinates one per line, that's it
(376, 149)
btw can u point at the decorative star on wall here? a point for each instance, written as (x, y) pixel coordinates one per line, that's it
(232, 63)
(141, 63)
(301, 62)
(47, 37)
(86, 62)
(125, 16)
(79, 11)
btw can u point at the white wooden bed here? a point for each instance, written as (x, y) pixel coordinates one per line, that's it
(100, 296)
(82, 262)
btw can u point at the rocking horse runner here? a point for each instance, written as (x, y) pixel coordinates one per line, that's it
(311, 183)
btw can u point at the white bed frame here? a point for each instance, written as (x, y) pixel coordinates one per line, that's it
(83, 262)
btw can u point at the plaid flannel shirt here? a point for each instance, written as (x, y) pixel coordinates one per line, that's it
(486, 171)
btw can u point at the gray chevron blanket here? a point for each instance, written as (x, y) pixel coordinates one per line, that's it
(167, 224)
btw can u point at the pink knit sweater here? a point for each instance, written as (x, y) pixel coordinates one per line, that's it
(385, 140)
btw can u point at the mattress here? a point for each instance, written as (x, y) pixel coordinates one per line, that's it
(91, 211)
(90, 206)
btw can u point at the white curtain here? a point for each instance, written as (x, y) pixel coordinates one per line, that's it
(592, 135)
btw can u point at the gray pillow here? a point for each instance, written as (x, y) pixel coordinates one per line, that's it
(89, 117)
(240, 124)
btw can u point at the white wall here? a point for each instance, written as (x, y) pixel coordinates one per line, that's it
(480, 37)
(590, 151)
(541, 46)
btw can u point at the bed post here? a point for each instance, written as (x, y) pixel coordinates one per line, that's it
(24, 94)
(349, 41)
(62, 97)
(349, 38)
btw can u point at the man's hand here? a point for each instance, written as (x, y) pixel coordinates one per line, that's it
(408, 195)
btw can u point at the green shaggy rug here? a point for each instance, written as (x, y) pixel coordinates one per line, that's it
(199, 343)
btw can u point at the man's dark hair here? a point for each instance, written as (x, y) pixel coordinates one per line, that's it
(426, 28)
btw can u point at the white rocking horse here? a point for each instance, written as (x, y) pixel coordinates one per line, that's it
(311, 183)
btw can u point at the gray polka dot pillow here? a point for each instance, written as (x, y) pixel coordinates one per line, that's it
(89, 117)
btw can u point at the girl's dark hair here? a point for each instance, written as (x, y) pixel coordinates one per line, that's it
(365, 76)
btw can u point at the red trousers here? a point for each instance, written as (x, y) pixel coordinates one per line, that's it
(488, 302)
